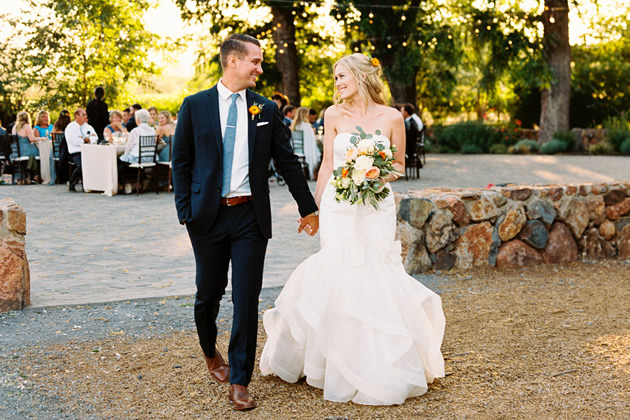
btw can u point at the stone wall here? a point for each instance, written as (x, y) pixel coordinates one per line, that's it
(15, 284)
(513, 226)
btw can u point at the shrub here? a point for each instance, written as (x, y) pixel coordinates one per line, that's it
(525, 146)
(625, 147)
(564, 136)
(554, 146)
(602, 148)
(498, 149)
(617, 131)
(471, 149)
(454, 137)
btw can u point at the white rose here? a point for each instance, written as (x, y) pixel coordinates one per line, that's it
(364, 163)
(388, 152)
(358, 176)
(345, 183)
(351, 154)
(366, 146)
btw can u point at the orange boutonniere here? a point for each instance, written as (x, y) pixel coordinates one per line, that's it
(255, 110)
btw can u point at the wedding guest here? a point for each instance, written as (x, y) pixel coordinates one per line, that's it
(47, 164)
(125, 116)
(77, 133)
(132, 151)
(116, 127)
(165, 133)
(413, 127)
(153, 112)
(311, 152)
(28, 146)
(312, 116)
(409, 113)
(289, 114)
(280, 100)
(59, 128)
(98, 115)
(131, 124)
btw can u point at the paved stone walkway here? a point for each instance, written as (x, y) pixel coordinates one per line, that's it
(87, 248)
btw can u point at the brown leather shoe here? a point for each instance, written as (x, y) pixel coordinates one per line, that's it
(217, 367)
(241, 398)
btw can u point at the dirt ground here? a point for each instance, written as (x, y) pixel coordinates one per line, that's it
(544, 342)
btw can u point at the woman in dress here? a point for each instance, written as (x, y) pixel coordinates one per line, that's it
(44, 128)
(350, 318)
(153, 112)
(311, 152)
(115, 127)
(28, 145)
(165, 133)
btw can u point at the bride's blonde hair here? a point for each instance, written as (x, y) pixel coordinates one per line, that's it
(367, 74)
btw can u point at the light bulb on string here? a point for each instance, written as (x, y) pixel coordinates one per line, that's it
(371, 15)
(404, 43)
(389, 46)
(552, 20)
(403, 18)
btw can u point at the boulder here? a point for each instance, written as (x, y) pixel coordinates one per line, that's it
(594, 246)
(444, 260)
(541, 209)
(596, 209)
(561, 247)
(615, 211)
(574, 213)
(417, 259)
(483, 208)
(534, 234)
(607, 230)
(407, 235)
(512, 221)
(15, 287)
(614, 197)
(457, 207)
(415, 211)
(472, 247)
(521, 194)
(516, 253)
(623, 243)
(439, 231)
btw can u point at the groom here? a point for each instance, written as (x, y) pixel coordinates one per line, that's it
(224, 140)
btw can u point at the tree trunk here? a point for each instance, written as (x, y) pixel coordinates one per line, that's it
(286, 53)
(555, 99)
(403, 91)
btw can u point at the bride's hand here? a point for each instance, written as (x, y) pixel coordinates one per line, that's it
(309, 224)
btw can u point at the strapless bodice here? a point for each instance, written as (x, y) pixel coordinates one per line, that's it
(341, 143)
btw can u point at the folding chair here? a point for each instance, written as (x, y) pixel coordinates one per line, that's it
(147, 151)
(297, 141)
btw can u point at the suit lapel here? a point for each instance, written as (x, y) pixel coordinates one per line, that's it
(251, 125)
(215, 122)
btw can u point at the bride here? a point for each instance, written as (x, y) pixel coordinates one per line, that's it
(350, 318)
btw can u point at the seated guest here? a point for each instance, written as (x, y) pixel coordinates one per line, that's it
(77, 133)
(280, 100)
(115, 127)
(59, 128)
(125, 116)
(165, 133)
(131, 124)
(44, 129)
(28, 145)
(289, 114)
(153, 112)
(133, 143)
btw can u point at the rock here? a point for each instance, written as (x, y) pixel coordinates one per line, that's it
(541, 209)
(614, 197)
(417, 259)
(607, 230)
(596, 208)
(557, 193)
(499, 200)
(472, 248)
(482, 209)
(623, 243)
(561, 247)
(415, 211)
(574, 213)
(521, 194)
(439, 231)
(515, 254)
(15, 291)
(534, 234)
(407, 235)
(585, 190)
(457, 207)
(494, 247)
(512, 222)
(621, 223)
(444, 260)
(599, 188)
(615, 211)
(594, 246)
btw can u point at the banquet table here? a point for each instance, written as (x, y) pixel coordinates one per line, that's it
(100, 167)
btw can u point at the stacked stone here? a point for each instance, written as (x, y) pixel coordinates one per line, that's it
(514, 226)
(15, 283)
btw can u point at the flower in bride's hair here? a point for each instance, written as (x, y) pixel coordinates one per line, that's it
(363, 163)
(375, 62)
(373, 173)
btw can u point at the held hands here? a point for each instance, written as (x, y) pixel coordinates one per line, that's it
(309, 224)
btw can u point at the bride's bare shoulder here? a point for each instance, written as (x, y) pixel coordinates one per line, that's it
(332, 111)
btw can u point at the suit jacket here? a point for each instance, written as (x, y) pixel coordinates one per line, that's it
(98, 116)
(197, 160)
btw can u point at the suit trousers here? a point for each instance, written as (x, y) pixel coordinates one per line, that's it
(76, 172)
(235, 237)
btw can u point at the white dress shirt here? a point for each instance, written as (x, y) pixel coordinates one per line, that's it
(418, 121)
(75, 134)
(133, 142)
(239, 183)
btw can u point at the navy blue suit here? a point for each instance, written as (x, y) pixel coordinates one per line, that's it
(220, 234)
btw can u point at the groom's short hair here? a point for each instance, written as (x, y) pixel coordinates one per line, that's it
(235, 45)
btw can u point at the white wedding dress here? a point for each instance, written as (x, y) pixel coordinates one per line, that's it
(350, 318)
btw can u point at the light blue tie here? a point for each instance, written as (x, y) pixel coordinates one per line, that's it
(228, 146)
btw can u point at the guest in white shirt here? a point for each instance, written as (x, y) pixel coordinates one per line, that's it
(131, 154)
(409, 113)
(77, 133)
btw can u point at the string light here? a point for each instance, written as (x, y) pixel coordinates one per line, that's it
(403, 17)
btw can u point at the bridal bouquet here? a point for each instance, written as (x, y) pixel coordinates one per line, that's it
(360, 179)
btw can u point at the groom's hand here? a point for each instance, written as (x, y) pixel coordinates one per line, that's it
(309, 224)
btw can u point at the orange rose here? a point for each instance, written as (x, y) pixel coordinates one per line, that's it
(382, 155)
(345, 172)
(373, 173)
(375, 62)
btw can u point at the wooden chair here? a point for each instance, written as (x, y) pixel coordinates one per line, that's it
(147, 151)
(297, 141)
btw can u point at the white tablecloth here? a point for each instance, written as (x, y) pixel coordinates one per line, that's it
(100, 167)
